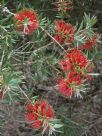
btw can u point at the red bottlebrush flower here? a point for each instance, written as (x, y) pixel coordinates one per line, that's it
(77, 58)
(63, 87)
(69, 85)
(65, 65)
(64, 32)
(46, 110)
(38, 113)
(74, 78)
(77, 62)
(37, 124)
(31, 117)
(30, 107)
(26, 21)
(90, 43)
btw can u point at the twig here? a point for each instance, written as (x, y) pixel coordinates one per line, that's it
(2, 59)
(53, 38)
(25, 94)
(39, 49)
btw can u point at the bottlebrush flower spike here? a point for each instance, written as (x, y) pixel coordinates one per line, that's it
(80, 64)
(70, 86)
(76, 62)
(64, 32)
(65, 65)
(39, 114)
(90, 43)
(26, 21)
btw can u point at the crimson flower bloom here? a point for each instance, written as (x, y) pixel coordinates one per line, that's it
(77, 62)
(65, 64)
(39, 113)
(70, 85)
(90, 43)
(26, 21)
(64, 32)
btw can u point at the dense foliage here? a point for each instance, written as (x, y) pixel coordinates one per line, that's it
(50, 52)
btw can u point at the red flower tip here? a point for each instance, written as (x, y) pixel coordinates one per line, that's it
(26, 21)
(64, 32)
(65, 65)
(76, 61)
(69, 86)
(37, 124)
(90, 43)
(77, 68)
(38, 113)
(64, 88)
